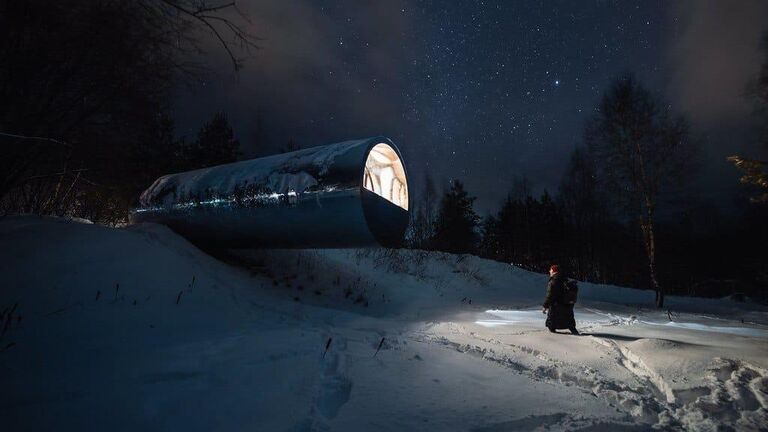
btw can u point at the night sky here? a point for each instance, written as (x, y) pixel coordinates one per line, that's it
(486, 92)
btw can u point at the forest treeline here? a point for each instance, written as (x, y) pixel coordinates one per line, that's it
(621, 214)
(701, 251)
(85, 126)
(87, 89)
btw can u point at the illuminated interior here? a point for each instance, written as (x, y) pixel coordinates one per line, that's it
(385, 176)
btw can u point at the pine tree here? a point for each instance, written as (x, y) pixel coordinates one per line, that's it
(158, 154)
(456, 222)
(528, 232)
(548, 231)
(215, 144)
(583, 211)
(489, 243)
(507, 230)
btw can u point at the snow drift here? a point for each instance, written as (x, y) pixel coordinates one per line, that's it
(127, 329)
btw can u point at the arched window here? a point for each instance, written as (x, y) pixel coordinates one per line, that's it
(385, 176)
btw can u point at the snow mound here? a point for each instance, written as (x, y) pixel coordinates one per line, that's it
(135, 328)
(290, 172)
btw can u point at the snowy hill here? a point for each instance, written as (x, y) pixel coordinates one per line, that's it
(126, 329)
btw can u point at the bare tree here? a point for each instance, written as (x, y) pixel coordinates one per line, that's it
(423, 215)
(642, 151)
(214, 18)
(82, 83)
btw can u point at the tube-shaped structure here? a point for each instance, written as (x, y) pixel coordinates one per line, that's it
(349, 194)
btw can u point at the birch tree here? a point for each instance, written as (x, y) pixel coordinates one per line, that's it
(642, 151)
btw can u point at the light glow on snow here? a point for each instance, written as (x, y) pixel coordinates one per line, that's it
(385, 175)
(595, 317)
(740, 331)
(511, 317)
(637, 376)
(262, 198)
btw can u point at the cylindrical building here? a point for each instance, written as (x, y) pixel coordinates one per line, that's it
(349, 194)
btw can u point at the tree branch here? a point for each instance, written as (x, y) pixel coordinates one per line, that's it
(36, 138)
(201, 14)
(203, 9)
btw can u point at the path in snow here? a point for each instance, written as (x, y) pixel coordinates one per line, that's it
(605, 362)
(589, 317)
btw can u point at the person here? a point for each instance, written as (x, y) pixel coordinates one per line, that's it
(559, 312)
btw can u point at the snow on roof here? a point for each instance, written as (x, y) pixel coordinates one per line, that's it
(289, 172)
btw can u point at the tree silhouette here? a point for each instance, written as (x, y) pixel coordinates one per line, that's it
(490, 245)
(756, 171)
(422, 217)
(215, 144)
(456, 222)
(642, 151)
(584, 211)
(82, 85)
(526, 231)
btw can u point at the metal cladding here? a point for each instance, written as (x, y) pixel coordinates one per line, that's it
(349, 194)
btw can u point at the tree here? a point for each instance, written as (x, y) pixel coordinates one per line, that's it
(422, 217)
(490, 246)
(756, 171)
(290, 146)
(215, 144)
(508, 230)
(579, 193)
(420, 227)
(82, 84)
(456, 222)
(549, 231)
(429, 198)
(159, 153)
(521, 188)
(642, 151)
(178, 17)
(583, 210)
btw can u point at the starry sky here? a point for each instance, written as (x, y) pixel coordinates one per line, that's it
(486, 92)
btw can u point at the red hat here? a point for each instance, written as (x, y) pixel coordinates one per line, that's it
(555, 268)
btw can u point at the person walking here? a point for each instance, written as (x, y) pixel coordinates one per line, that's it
(559, 302)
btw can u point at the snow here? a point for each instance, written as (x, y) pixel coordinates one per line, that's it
(134, 328)
(293, 172)
(505, 317)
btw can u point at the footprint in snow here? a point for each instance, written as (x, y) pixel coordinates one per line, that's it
(333, 388)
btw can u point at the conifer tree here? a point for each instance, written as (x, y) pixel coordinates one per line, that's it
(489, 243)
(215, 144)
(456, 222)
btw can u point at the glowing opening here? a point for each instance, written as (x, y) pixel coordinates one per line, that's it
(385, 176)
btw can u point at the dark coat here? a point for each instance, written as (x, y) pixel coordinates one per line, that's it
(560, 315)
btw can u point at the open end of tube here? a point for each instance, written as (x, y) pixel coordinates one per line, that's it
(385, 176)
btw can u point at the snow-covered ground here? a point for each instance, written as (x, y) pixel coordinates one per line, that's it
(136, 329)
